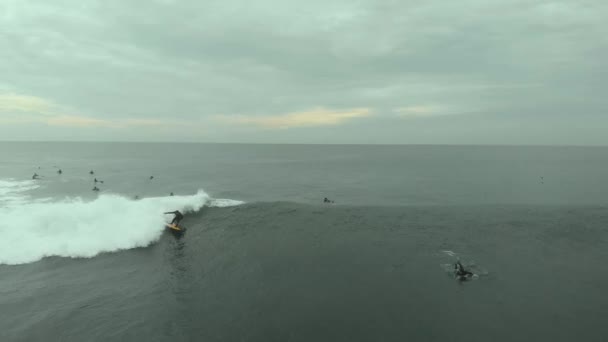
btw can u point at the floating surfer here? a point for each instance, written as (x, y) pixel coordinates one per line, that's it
(460, 272)
(327, 200)
(35, 176)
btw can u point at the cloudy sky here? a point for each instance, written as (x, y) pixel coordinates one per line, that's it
(287, 71)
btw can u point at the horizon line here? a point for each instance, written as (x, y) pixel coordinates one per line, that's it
(303, 144)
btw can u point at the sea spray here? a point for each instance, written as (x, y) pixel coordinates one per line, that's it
(73, 227)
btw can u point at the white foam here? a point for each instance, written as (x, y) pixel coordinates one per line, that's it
(13, 192)
(220, 202)
(75, 228)
(450, 253)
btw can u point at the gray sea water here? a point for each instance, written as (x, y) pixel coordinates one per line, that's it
(264, 259)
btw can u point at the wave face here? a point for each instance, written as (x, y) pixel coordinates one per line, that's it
(73, 227)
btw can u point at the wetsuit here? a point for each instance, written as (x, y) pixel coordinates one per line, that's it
(178, 217)
(461, 273)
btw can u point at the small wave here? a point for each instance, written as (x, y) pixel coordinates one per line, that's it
(450, 253)
(76, 228)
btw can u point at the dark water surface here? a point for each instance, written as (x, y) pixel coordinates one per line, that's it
(374, 266)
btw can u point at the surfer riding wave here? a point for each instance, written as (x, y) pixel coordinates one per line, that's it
(176, 218)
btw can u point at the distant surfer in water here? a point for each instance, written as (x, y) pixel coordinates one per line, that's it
(327, 200)
(461, 273)
(95, 189)
(35, 176)
(59, 172)
(178, 217)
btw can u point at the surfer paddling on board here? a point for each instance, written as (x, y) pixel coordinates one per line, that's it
(460, 272)
(178, 217)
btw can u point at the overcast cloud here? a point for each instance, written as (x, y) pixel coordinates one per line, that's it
(368, 71)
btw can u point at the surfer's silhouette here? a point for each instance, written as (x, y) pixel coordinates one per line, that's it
(35, 176)
(461, 273)
(178, 217)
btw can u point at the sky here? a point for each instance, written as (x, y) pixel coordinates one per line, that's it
(514, 72)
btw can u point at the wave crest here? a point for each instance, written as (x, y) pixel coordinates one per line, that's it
(76, 228)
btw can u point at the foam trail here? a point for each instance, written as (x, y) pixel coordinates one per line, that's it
(75, 228)
(14, 192)
(450, 253)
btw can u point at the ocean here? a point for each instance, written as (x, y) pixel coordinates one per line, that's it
(265, 259)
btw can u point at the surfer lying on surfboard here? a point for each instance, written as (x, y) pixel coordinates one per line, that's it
(461, 273)
(178, 217)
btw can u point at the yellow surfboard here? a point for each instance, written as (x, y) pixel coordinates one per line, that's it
(174, 227)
